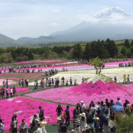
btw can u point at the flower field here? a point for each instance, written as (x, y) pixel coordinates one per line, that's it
(87, 92)
(25, 108)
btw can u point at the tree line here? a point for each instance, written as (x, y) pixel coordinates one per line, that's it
(91, 50)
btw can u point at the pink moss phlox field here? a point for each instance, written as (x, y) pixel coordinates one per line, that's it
(117, 63)
(24, 108)
(19, 73)
(86, 92)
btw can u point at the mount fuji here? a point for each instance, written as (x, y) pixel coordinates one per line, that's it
(113, 23)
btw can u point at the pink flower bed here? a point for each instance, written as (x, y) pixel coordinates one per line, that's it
(86, 92)
(25, 108)
(19, 73)
(45, 61)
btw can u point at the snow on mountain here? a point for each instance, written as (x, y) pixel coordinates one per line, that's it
(107, 12)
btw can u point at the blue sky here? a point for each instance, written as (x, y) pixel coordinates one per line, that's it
(34, 18)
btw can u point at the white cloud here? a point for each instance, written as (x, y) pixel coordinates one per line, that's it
(54, 24)
(113, 19)
(55, 10)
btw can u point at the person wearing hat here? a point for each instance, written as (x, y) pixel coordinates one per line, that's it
(105, 110)
(98, 125)
(82, 107)
(83, 122)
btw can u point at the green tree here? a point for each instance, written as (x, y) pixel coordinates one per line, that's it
(77, 52)
(132, 43)
(132, 51)
(124, 50)
(97, 63)
(127, 44)
(125, 124)
(86, 54)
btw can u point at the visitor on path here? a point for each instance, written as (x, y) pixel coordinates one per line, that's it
(118, 102)
(4, 83)
(59, 110)
(70, 81)
(111, 125)
(7, 92)
(78, 108)
(14, 124)
(49, 81)
(83, 122)
(64, 126)
(23, 127)
(77, 123)
(124, 79)
(67, 115)
(11, 91)
(91, 104)
(1, 126)
(75, 82)
(34, 121)
(128, 79)
(52, 81)
(41, 112)
(115, 79)
(83, 80)
(35, 85)
(107, 103)
(27, 82)
(128, 108)
(43, 123)
(19, 82)
(42, 83)
(2, 91)
(82, 107)
(59, 122)
(22, 83)
(98, 106)
(39, 129)
(90, 122)
(125, 104)
(7, 83)
(98, 125)
(14, 90)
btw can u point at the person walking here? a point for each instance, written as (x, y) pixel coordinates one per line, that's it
(11, 91)
(14, 124)
(67, 115)
(1, 126)
(22, 83)
(7, 92)
(7, 83)
(43, 124)
(41, 112)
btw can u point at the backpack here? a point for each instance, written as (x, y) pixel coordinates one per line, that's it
(65, 115)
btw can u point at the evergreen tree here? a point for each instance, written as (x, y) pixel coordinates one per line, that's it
(124, 50)
(127, 44)
(87, 52)
(132, 43)
(77, 52)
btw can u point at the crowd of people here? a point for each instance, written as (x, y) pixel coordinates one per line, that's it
(92, 119)
(126, 79)
(51, 82)
(95, 118)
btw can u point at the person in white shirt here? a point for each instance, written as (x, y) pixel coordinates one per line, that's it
(111, 124)
(11, 91)
(39, 129)
(118, 102)
(82, 106)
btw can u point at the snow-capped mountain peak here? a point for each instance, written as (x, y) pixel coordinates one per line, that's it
(107, 12)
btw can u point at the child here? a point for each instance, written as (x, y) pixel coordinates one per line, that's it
(98, 125)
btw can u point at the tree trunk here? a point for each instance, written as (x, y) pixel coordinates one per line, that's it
(100, 70)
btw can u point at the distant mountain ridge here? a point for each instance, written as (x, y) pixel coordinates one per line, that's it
(108, 23)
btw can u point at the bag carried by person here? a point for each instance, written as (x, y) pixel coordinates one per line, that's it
(65, 115)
